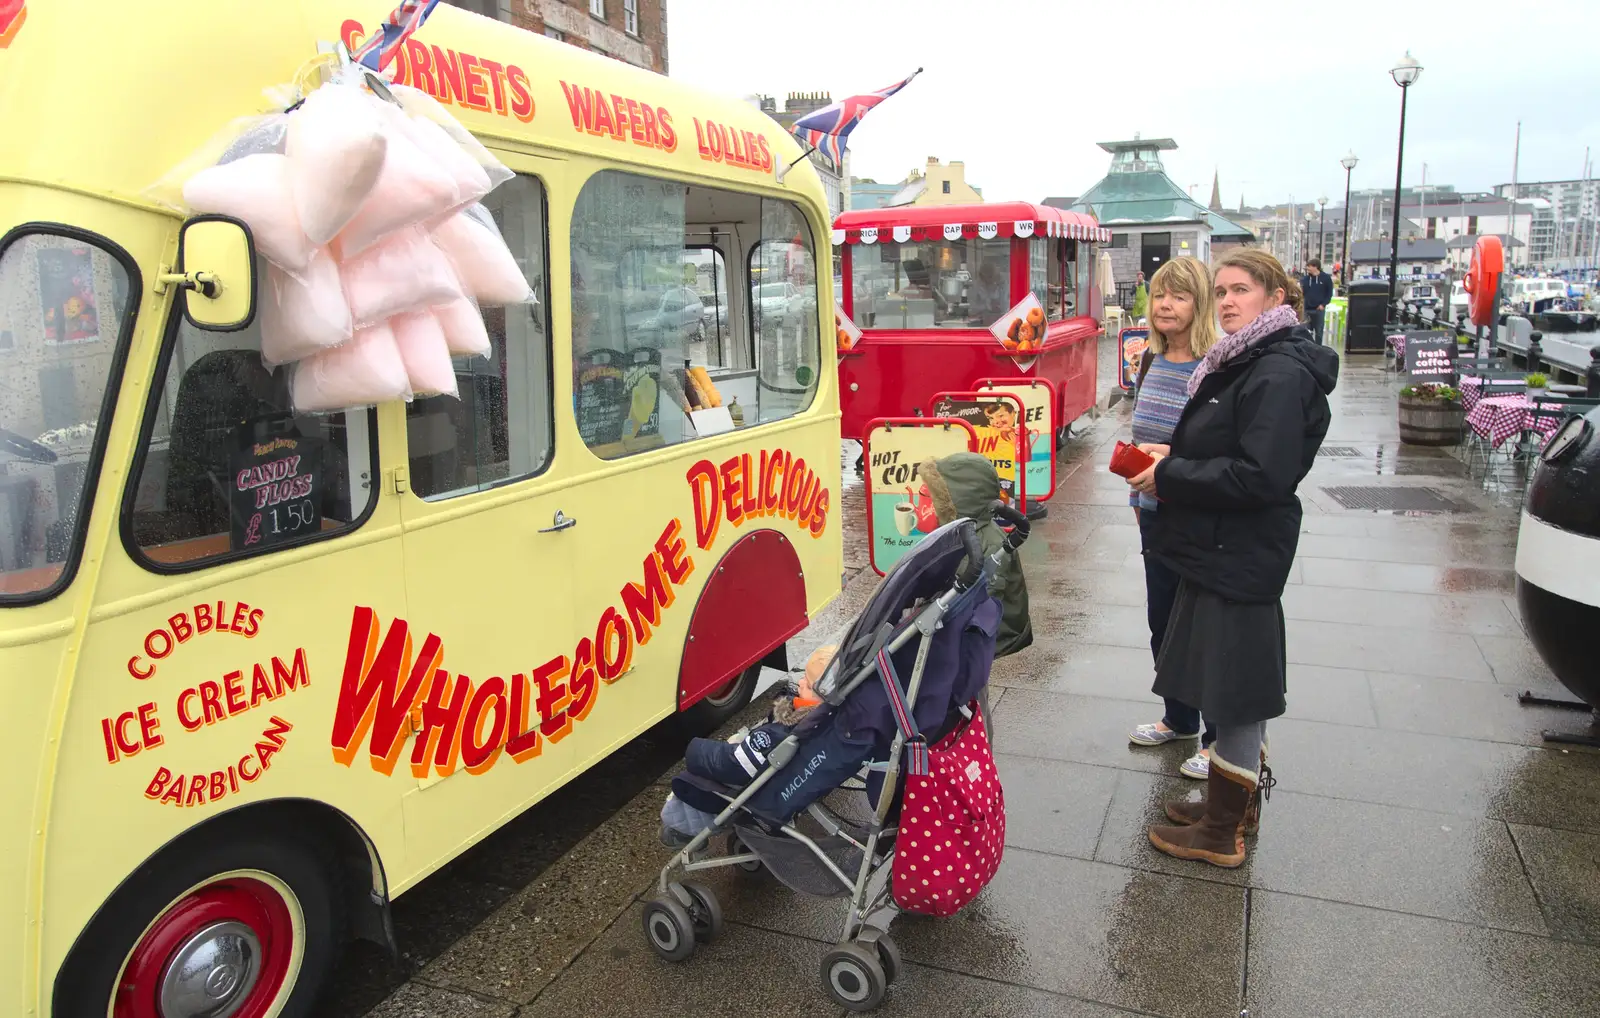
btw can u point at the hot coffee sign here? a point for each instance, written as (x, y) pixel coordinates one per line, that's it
(900, 509)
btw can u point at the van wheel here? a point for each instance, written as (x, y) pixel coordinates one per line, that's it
(719, 705)
(247, 929)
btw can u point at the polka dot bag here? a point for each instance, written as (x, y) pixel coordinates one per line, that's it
(952, 821)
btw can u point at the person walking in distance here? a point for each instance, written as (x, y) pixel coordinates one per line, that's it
(1228, 526)
(1183, 328)
(1316, 287)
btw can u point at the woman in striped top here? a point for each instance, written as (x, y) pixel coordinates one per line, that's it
(1182, 328)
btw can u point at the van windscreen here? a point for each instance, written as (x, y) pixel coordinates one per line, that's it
(64, 302)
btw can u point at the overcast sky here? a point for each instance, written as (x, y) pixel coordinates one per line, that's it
(1269, 94)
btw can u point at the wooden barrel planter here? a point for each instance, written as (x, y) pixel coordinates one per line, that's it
(1431, 421)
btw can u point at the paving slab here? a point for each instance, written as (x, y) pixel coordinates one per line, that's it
(1405, 860)
(1434, 613)
(1420, 579)
(1564, 867)
(1314, 958)
(1467, 710)
(419, 1000)
(1066, 804)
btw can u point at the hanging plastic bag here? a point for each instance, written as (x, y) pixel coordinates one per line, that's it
(464, 332)
(255, 189)
(471, 180)
(362, 372)
(426, 357)
(305, 315)
(406, 272)
(421, 104)
(336, 146)
(413, 187)
(483, 263)
(269, 137)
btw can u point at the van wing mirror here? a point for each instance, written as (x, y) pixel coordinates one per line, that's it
(217, 273)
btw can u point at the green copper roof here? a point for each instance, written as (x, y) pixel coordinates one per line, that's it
(1150, 197)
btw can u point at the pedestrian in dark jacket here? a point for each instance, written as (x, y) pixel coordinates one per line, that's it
(1316, 287)
(1228, 526)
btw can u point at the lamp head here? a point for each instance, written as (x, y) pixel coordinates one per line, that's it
(1407, 71)
(1349, 161)
(1322, 201)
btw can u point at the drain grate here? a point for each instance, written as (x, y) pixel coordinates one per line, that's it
(1341, 452)
(1397, 499)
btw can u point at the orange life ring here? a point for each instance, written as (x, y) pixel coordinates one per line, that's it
(1483, 280)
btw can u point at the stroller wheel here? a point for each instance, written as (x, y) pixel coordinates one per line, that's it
(853, 977)
(705, 912)
(669, 928)
(738, 847)
(889, 958)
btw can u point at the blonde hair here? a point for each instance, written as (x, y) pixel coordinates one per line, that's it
(1187, 276)
(1266, 270)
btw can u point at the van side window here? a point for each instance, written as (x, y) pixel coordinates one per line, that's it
(501, 429)
(66, 306)
(227, 469)
(649, 258)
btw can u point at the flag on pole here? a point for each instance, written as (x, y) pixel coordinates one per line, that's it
(385, 41)
(828, 129)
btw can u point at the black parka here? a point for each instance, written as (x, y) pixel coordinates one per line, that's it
(1229, 518)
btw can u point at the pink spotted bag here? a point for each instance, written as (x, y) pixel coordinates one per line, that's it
(952, 821)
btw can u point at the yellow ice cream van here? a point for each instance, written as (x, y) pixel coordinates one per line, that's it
(264, 669)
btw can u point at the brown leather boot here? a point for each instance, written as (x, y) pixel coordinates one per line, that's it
(1185, 812)
(1218, 837)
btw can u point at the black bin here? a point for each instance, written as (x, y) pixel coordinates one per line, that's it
(1364, 328)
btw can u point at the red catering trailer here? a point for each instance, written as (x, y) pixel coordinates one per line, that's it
(924, 285)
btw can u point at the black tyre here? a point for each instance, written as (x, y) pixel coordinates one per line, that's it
(669, 928)
(706, 912)
(249, 926)
(719, 705)
(854, 977)
(889, 957)
(736, 846)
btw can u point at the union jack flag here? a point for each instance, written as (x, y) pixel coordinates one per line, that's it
(386, 40)
(828, 129)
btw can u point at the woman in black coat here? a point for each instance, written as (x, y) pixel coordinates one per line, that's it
(1228, 526)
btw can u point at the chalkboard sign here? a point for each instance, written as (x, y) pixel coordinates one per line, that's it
(601, 396)
(1431, 357)
(274, 486)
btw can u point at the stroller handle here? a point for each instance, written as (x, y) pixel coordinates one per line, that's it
(1018, 522)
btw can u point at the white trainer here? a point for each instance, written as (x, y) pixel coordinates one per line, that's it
(1156, 734)
(1197, 766)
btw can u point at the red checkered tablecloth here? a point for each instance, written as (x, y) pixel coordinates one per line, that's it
(1498, 418)
(1472, 389)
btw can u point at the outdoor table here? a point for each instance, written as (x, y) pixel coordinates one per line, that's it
(1497, 418)
(1472, 388)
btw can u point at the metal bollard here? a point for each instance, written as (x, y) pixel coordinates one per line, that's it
(1592, 378)
(1535, 352)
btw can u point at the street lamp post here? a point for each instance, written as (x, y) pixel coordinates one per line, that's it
(1349, 163)
(1322, 220)
(1307, 256)
(1405, 74)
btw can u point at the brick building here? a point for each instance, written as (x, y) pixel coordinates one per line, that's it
(633, 31)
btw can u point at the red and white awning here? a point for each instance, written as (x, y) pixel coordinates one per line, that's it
(970, 231)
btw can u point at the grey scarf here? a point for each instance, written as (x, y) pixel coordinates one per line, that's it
(1270, 321)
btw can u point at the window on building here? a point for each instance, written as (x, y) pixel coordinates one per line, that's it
(66, 308)
(218, 426)
(555, 33)
(501, 428)
(630, 16)
(1119, 240)
(945, 186)
(928, 284)
(1433, 225)
(598, 8)
(642, 351)
(1472, 224)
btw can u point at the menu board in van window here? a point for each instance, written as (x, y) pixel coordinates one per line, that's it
(601, 398)
(275, 487)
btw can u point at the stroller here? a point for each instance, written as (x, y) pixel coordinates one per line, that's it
(932, 618)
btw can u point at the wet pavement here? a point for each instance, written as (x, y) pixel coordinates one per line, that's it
(1424, 853)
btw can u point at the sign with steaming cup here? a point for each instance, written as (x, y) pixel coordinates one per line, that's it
(900, 511)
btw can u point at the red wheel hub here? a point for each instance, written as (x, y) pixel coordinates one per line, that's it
(176, 960)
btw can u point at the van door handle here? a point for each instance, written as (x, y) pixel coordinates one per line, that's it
(561, 522)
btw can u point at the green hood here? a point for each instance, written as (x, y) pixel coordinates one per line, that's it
(964, 486)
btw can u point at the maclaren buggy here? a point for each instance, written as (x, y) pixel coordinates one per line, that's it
(917, 747)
